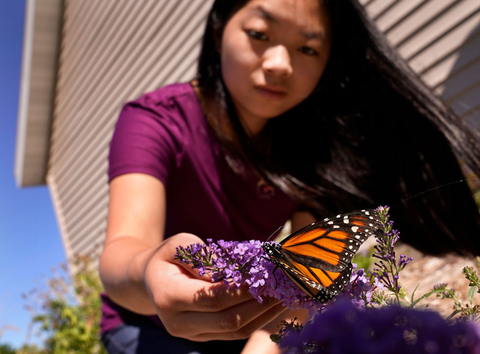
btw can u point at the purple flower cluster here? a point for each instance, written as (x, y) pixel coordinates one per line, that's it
(387, 268)
(393, 329)
(361, 289)
(238, 263)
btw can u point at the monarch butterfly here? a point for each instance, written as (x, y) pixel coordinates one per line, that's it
(318, 257)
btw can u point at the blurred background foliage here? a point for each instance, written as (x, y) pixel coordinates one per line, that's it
(65, 314)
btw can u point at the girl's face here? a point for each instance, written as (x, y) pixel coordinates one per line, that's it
(273, 53)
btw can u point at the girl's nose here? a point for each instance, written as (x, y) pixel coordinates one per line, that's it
(277, 61)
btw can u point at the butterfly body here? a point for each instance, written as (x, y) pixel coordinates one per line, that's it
(318, 257)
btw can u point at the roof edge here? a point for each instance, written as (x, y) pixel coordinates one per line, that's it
(25, 74)
(38, 78)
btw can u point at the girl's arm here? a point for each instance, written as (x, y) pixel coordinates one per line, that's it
(139, 273)
(136, 216)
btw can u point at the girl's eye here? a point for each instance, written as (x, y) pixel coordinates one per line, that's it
(257, 35)
(308, 51)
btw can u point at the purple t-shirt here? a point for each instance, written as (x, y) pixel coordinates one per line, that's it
(165, 134)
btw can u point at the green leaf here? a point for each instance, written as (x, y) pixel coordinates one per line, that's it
(471, 292)
(453, 314)
(435, 291)
(413, 294)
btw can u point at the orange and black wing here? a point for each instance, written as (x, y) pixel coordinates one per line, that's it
(331, 282)
(318, 257)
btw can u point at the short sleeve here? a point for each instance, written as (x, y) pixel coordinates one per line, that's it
(146, 141)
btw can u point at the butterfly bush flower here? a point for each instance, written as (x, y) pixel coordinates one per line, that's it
(238, 263)
(362, 290)
(387, 268)
(390, 329)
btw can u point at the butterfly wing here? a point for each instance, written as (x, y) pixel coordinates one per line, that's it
(318, 257)
(331, 243)
(321, 292)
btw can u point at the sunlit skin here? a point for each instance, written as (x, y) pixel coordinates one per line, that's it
(273, 53)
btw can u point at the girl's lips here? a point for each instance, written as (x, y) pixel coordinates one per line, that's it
(269, 93)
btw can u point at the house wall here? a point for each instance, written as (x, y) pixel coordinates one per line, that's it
(112, 51)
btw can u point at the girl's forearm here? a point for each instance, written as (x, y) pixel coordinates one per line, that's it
(122, 266)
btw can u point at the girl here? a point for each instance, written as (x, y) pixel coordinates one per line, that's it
(299, 110)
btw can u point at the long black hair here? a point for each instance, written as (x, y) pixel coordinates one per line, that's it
(370, 134)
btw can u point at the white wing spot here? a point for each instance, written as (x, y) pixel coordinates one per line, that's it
(354, 228)
(336, 226)
(346, 221)
(367, 213)
(330, 223)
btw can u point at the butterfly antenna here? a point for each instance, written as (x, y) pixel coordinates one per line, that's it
(248, 260)
(434, 188)
(276, 232)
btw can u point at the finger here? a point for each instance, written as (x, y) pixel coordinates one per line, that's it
(245, 331)
(168, 251)
(184, 293)
(173, 286)
(229, 320)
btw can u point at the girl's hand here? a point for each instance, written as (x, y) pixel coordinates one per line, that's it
(193, 307)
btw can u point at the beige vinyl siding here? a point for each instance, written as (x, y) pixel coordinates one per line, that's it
(112, 51)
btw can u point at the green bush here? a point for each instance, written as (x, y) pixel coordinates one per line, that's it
(67, 314)
(6, 349)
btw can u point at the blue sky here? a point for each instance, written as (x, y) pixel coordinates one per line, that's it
(30, 242)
